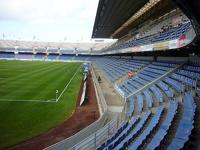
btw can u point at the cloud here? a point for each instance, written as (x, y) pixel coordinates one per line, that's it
(89, 10)
(49, 19)
(33, 10)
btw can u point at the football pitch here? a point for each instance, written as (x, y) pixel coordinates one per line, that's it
(35, 97)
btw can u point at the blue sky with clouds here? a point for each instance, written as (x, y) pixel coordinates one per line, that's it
(47, 20)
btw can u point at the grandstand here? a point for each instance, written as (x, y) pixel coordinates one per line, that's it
(158, 107)
(51, 47)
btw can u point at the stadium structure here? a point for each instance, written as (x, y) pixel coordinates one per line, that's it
(146, 83)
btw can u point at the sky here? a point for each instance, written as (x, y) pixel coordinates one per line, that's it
(47, 20)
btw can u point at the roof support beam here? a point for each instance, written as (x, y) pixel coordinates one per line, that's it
(142, 11)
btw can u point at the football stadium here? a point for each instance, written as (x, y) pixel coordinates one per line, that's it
(140, 90)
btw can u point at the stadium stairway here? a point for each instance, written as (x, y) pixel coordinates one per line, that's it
(112, 98)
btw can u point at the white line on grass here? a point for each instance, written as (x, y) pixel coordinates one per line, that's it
(45, 101)
(41, 101)
(68, 84)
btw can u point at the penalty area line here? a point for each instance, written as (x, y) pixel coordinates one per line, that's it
(68, 84)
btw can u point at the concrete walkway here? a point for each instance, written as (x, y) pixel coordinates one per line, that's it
(113, 99)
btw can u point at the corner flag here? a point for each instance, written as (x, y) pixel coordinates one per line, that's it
(56, 95)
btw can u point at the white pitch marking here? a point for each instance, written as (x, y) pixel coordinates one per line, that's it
(41, 101)
(68, 84)
(44, 101)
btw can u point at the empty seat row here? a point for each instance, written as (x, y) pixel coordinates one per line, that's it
(173, 33)
(123, 134)
(140, 140)
(162, 132)
(186, 123)
(165, 88)
(192, 68)
(157, 93)
(194, 75)
(184, 79)
(116, 134)
(148, 98)
(178, 86)
(132, 133)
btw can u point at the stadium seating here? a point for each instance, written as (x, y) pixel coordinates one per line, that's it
(52, 50)
(171, 34)
(40, 56)
(194, 75)
(116, 134)
(40, 50)
(139, 102)
(139, 141)
(167, 86)
(130, 107)
(178, 86)
(186, 124)
(160, 135)
(163, 82)
(146, 76)
(65, 57)
(7, 55)
(24, 56)
(148, 98)
(80, 58)
(198, 92)
(117, 137)
(7, 48)
(184, 79)
(157, 93)
(192, 68)
(67, 51)
(25, 49)
(115, 68)
(129, 134)
(52, 57)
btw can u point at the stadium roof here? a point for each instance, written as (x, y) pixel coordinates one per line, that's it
(114, 17)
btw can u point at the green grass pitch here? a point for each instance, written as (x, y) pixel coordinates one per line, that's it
(28, 104)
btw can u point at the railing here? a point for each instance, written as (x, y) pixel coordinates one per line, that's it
(95, 134)
(97, 138)
(86, 132)
(100, 97)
